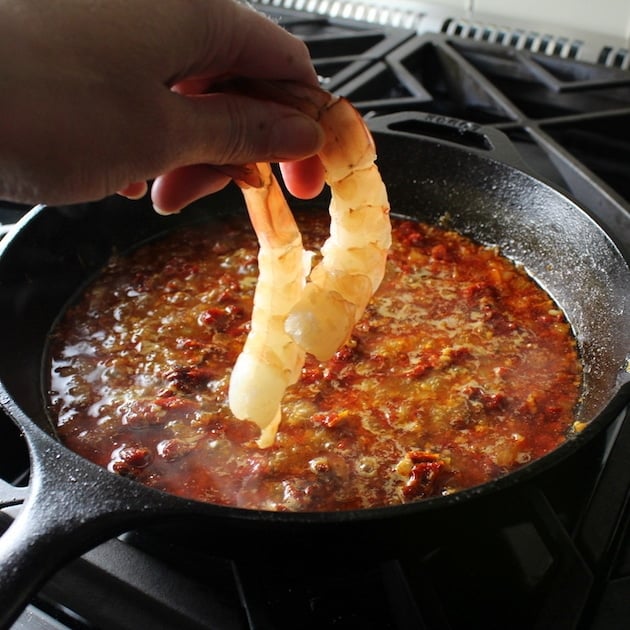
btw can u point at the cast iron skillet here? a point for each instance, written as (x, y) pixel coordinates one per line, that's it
(71, 504)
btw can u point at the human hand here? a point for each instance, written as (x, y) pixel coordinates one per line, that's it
(100, 97)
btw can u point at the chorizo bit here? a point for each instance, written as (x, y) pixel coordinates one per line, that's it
(129, 460)
(189, 378)
(489, 401)
(331, 419)
(424, 471)
(141, 414)
(292, 316)
(176, 448)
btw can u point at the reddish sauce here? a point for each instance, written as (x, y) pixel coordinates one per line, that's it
(461, 371)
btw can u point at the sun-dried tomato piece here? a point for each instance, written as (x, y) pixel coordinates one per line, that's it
(129, 460)
(139, 414)
(189, 378)
(423, 479)
(489, 400)
(330, 419)
(175, 448)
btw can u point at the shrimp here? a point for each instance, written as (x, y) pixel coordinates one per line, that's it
(313, 315)
(270, 360)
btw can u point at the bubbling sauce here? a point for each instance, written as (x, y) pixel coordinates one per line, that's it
(462, 370)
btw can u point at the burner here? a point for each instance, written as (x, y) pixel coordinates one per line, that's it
(602, 144)
(340, 48)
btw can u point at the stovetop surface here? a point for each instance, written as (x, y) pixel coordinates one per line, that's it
(561, 557)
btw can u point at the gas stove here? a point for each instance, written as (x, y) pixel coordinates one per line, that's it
(561, 556)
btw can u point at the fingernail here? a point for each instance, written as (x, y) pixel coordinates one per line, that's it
(164, 213)
(134, 190)
(133, 196)
(295, 137)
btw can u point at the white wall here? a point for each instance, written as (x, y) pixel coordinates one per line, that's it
(611, 17)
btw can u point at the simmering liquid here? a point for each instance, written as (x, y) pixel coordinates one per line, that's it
(461, 371)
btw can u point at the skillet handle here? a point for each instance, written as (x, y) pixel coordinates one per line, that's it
(486, 141)
(67, 512)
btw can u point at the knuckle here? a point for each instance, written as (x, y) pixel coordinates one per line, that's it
(241, 135)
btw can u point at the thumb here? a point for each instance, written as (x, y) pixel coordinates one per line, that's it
(225, 129)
